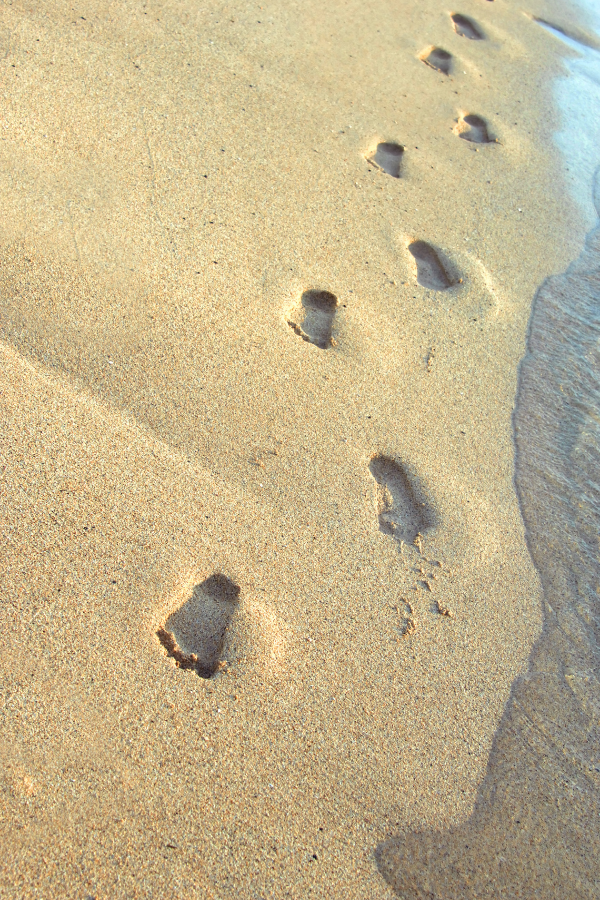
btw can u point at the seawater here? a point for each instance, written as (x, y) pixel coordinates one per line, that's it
(535, 828)
(578, 99)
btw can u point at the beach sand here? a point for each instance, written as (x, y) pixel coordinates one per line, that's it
(239, 412)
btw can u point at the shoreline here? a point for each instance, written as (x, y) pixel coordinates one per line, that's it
(578, 97)
(348, 474)
(532, 828)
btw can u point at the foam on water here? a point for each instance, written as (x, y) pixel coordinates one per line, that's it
(535, 828)
(578, 98)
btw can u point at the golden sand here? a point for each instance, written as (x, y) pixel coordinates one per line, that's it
(176, 178)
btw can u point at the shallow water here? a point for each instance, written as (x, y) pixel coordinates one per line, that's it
(535, 828)
(578, 98)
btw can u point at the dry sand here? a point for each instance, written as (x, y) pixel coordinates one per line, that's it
(174, 177)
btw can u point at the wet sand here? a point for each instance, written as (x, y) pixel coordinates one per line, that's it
(265, 288)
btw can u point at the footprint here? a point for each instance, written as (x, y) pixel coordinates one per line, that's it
(403, 512)
(319, 313)
(466, 27)
(431, 273)
(474, 129)
(194, 635)
(388, 157)
(438, 59)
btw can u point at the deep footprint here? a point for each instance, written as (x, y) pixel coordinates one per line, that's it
(431, 273)
(388, 157)
(319, 313)
(474, 129)
(194, 635)
(403, 511)
(437, 59)
(466, 27)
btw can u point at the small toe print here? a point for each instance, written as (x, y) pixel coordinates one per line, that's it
(438, 59)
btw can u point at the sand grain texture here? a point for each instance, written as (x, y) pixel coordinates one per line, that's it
(174, 179)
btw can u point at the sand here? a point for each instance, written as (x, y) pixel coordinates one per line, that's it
(180, 418)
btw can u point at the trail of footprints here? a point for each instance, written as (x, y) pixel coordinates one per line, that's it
(402, 509)
(470, 127)
(474, 129)
(194, 635)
